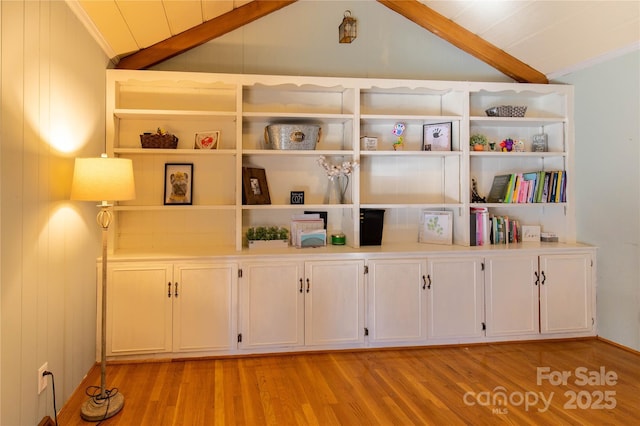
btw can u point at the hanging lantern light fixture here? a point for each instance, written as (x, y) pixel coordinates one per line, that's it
(348, 29)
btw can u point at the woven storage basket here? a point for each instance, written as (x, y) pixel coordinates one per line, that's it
(155, 140)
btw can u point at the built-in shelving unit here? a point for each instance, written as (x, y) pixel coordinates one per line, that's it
(403, 183)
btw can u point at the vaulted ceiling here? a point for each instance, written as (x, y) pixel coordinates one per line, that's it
(528, 40)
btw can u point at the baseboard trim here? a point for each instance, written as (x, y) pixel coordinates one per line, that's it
(618, 345)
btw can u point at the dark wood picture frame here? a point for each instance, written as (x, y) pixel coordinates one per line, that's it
(178, 183)
(437, 136)
(254, 186)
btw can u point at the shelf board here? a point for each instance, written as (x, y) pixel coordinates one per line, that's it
(480, 121)
(296, 206)
(152, 151)
(296, 152)
(391, 153)
(302, 117)
(498, 154)
(131, 208)
(411, 205)
(426, 119)
(146, 114)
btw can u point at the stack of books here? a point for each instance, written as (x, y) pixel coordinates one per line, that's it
(486, 229)
(533, 187)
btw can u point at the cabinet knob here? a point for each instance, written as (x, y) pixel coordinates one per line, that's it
(176, 290)
(544, 277)
(308, 285)
(424, 282)
(301, 285)
(429, 282)
(537, 281)
(169, 289)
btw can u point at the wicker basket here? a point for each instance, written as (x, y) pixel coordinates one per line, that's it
(506, 111)
(155, 140)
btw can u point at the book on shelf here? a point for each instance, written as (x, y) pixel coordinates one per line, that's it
(530, 187)
(480, 230)
(504, 230)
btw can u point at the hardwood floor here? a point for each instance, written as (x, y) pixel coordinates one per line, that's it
(421, 386)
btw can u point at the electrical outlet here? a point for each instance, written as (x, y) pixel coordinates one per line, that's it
(42, 379)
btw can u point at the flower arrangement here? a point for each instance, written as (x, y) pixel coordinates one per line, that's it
(478, 139)
(507, 145)
(335, 171)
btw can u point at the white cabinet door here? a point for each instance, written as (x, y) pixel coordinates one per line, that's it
(455, 297)
(203, 300)
(512, 295)
(396, 292)
(334, 302)
(139, 308)
(272, 304)
(565, 293)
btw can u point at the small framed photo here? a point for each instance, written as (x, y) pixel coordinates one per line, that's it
(437, 137)
(207, 140)
(539, 143)
(530, 233)
(297, 197)
(436, 227)
(178, 183)
(254, 186)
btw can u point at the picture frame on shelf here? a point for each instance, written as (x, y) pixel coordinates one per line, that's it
(254, 186)
(178, 183)
(436, 227)
(437, 136)
(207, 140)
(539, 143)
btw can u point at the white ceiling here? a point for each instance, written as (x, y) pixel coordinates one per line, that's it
(581, 32)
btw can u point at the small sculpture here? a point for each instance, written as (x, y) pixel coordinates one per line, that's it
(398, 130)
(475, 197)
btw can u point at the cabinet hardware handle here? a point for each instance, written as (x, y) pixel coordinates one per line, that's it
(544, 277)
(308, 284)
(169, 289)
(424, 282)
(537, 281)
(301, 285)
(176, 290)
(429, 279)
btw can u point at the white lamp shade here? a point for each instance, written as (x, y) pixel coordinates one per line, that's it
(103, 179)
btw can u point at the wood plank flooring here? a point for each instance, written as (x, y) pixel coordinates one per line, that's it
(462, 385)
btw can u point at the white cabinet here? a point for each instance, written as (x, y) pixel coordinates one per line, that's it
(530, 294)
(397, 301)
(512, 295)
(162, 307)
(455, 297)
(566, 298)
(271, 304)
(290, 304)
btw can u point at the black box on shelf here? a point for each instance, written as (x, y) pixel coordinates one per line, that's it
(371, 221)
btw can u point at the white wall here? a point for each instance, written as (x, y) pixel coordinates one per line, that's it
(302, 39)
(607, 117)
(52, 89)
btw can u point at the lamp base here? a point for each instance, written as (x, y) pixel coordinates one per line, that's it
(97, 409)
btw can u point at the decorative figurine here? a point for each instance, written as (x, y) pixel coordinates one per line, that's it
(398, 130)
(475, 197)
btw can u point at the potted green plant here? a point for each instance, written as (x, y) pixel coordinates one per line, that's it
(478, 142)
(267, 237)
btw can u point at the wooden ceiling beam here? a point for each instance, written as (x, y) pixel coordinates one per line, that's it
(465, 40)
(201, 34)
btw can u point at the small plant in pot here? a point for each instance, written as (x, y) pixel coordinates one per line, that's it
(478, 142)
(267, 236)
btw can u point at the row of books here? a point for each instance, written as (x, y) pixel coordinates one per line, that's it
(533, 187)
(489, 229)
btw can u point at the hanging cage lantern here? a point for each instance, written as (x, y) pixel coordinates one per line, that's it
(348, 29)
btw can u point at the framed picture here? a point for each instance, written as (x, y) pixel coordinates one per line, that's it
(207, 140)
(178, 183)
(436, 227)
(254, 186)
(436, 137)
(539, 143)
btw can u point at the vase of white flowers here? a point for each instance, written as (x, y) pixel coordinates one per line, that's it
(338, 179)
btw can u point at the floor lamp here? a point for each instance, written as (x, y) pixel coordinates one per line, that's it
(106, 180)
